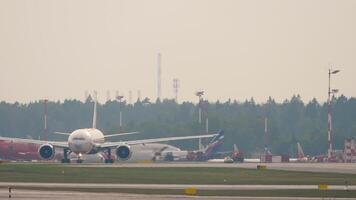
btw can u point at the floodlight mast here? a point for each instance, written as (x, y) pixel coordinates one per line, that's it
(199, 94)
(330, 128)
(119, 98)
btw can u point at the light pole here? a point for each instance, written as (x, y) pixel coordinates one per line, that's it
(330, 129)
(119, 98)
(45, 135)
(199, 94)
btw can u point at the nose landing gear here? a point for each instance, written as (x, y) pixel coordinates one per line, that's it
(80, 158)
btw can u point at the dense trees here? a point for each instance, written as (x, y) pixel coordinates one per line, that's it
(289, 122)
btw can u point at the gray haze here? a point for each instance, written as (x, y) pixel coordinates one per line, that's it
(230, 48)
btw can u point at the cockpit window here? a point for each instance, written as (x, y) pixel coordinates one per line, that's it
(78, 138)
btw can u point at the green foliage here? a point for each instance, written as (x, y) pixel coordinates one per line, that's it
(243, 122)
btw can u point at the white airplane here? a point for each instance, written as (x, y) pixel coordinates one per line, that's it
(92, 141)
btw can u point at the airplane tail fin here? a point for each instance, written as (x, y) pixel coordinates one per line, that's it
(235, 148)
(214, 145)
(94, 114)
(218, 137)
(300, 151)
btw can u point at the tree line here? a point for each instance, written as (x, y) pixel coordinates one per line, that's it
(289, 122)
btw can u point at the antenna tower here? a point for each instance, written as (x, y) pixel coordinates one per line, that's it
(45, 135)
(266, 136)
(130, 97)
(159, 72)
(86, 95)
(175, 89)
(108, 97)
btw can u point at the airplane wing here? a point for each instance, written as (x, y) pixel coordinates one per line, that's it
(120, 134)
(135, 142)
(40, 142)
(105, 136)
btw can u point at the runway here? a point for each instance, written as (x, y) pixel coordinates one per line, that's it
(169, 186)
(349, 168)
(35, 195)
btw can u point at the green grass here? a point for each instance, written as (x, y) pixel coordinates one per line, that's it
(11, 172)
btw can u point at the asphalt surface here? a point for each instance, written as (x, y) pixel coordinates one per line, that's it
(170, 186)
(349, 168)
(36, 195)
(311, 167)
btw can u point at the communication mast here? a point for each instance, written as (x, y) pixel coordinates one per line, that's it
(119, 98)
(175, 89)
(86, 95)
(266, 136)
(138, 95)
(159, 72)
(116, 94)
(130, 97)
(108, 97)
(45, 130)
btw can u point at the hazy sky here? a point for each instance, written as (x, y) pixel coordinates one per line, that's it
(231, 49)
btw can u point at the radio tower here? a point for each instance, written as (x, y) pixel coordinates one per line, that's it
(159, 76)
(266, 140)
(175, 89)
(138, 95)
(86, 95)
(108, 96)
(130, 97)
(45, 135)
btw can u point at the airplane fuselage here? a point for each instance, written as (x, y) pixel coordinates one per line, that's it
(83, 141)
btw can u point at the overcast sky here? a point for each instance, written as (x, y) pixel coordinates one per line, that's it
(231, 49)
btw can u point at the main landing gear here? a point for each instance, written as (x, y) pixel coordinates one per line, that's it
(109, 159)
(65, 159)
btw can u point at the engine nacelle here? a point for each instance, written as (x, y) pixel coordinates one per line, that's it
(46, 151)
(123, 152)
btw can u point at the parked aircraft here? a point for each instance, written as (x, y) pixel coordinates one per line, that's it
(203, 154)
(10, 150)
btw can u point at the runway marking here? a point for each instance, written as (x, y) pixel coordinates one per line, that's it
(172, 186)
(63, 195)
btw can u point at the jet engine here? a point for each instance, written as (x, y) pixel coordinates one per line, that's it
(123, 152)
(46, 151)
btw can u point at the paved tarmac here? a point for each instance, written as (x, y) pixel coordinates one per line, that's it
(37, 195)
(169, 186)
(308, 167)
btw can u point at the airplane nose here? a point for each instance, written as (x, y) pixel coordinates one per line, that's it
(77, 145)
